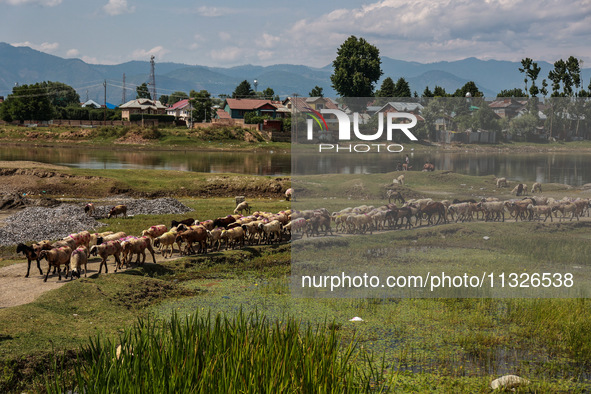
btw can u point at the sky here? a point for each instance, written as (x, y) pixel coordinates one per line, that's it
(237, 32)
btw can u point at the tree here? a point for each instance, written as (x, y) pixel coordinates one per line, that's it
(525, 68)
(142, 91)
(202, 104)
(243, 90)
(357, 68)
(177, 96)
(515, 92)
(60, 94)
(268, 94)
(387, 89)
(316, 92)
(164, 99)
(469, 87)
(427, 92)
(438, 91)
(402, 88)
(28, 102)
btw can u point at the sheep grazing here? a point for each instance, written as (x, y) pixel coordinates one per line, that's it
(519, 189)
(536, 187)
(117, 210)
(55, 258)
(243, 206)
(501, 182)
(89, 209)
(111, 248)
(77, 260)
(289, 194)
(400, 179)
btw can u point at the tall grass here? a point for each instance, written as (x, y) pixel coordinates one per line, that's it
(247, 354)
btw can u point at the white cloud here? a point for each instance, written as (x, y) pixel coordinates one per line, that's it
(43, 47)
(228, 54)
(47, 3)
(142, 54)
(431, 30)
(269, 41)
(73, 53)
(214, 11)
(224, 36)
(265, 55)
(118, 7)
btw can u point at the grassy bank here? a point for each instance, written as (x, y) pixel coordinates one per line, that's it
(156, 138)
(437, 345)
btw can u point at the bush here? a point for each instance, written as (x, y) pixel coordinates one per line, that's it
(151, 133)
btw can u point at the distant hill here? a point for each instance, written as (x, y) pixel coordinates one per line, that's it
(24, 65)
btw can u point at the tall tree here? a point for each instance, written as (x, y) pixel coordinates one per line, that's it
(143, 91)
(469, 87)
(316, 92)
(268, 94)
(202, 105)
(427, 92)
(402, 88)
(387, 89)
(438, 91)
(243, 90)
(357, 68)
(533, 73)
(525, 68)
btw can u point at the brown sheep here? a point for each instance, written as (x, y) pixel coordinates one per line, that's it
(77, 260)
(138, 247)
(55, 258)
(118, 210)
(111, 248)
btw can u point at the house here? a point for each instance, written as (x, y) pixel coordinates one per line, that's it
(237, 108)
(507, 107)
(141, 106)
(91, 103)
(395, 106)
(181, 110)
(301, 104)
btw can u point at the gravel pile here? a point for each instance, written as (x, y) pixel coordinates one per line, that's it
(39, 223)
(158, 206)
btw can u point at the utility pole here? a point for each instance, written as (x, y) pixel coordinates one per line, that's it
(153, 78)
(123, 101)
(294, 121)
(105, 108)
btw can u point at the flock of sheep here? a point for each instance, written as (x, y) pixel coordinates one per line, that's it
(73, 251)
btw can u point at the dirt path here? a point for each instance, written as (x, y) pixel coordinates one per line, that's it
(15, 289)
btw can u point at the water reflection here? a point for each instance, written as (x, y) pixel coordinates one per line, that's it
(572, 169)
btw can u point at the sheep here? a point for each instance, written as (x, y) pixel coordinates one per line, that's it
(400, 179)
(289, 194)
(536, 187)
(243, 206)
(208, 224)
(81, 238)
(198, 234)
(166, 240)
(233, 236)
(501, 182)
(224, 222)
(117, 210)
(538, 210)
(494, 210)
(519, 189)
(89, 209)
(435, 208)
(252, 232)
(463, 211)
(111, 248)
(77, 260)
(271, 230)
(156, 231)
(138, 247)
(186, 222)
(315, 223)
(94, 237)
(214, 237)
(394, 195)
(32, 253)
(55, 258)
(566, 208)
(110, 237)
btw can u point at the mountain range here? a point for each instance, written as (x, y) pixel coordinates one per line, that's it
(24, 65)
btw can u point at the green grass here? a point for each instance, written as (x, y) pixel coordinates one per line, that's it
(205, 353)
